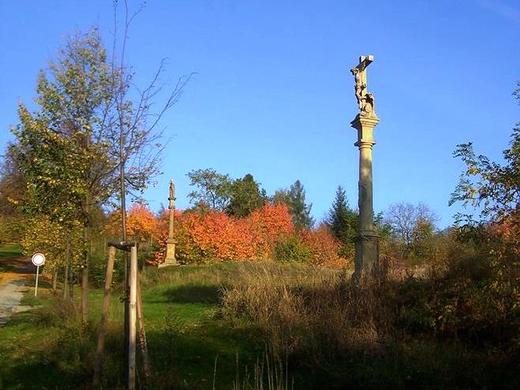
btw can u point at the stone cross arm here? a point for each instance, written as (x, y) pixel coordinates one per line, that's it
(364, 61)
(360, 69)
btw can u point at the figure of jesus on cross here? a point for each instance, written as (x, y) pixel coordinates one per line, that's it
(364, 99)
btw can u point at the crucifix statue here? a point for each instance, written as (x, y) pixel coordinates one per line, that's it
(364, 98)
(367, 243)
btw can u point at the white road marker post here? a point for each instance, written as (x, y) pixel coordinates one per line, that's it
(37, 259)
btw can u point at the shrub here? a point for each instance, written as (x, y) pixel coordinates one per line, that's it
(473, 297)
(211, 236)
(267, 233)
(324, 247)
(291, 248)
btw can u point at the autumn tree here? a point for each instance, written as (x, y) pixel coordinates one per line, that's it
(90, 141)
(62, 244)
(63, 148)
(268, 224)
(12, 184)
(490, 194)
(143, 224)
(12, 193)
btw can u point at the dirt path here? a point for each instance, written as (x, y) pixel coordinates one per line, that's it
(15, 276)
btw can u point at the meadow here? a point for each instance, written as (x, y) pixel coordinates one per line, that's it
(255, 326)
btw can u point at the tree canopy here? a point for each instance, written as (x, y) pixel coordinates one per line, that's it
(245, 197)
(492, 187)
(63, 148)
(212, 189)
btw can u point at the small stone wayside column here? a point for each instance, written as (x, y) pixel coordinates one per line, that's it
(170, 243)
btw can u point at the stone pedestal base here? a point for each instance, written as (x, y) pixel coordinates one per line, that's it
(170, 254)
(367, 255)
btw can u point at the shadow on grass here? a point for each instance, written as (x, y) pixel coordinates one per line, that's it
(17, 264)
(195, 358)
(39, 374)
(182, 357)
(209, 294)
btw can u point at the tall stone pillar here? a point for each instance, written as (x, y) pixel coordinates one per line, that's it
(171, 242)
(367, 244)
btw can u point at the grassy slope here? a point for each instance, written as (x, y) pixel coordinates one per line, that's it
(8, 251)
(186, 336)
(182, 327)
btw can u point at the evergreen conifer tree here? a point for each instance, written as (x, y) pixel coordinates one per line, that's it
(342, 220)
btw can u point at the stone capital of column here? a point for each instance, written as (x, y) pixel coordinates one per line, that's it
(365, 144)
(368, 234)
(361, 121)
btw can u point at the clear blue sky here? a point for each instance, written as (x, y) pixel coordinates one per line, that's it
(273, 95)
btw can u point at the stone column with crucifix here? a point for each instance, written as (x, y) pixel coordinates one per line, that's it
(367, 244)
(170, 243)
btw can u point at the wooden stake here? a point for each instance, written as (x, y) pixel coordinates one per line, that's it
(84, 281)
(142, 335)
(98, 368)
(54, 280)
(66, 277)
(132, 279)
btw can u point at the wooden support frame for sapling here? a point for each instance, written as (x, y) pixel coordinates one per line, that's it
(135, 315)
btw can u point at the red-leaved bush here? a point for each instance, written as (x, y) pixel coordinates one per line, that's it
(323, 246)
(212, 236)
(206, 236)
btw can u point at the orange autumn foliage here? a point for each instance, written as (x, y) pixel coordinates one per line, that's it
(142, 224)
(267, 225)
(508, 232)
(215, 236)
(212, 236)
(323, 247)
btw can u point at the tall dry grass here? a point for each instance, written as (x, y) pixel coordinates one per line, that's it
(268, 373)
(306, 311)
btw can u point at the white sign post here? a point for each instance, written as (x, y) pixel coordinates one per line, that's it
(38, 259)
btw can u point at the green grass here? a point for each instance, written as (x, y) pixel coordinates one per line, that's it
(185, 336)
(8, 251)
